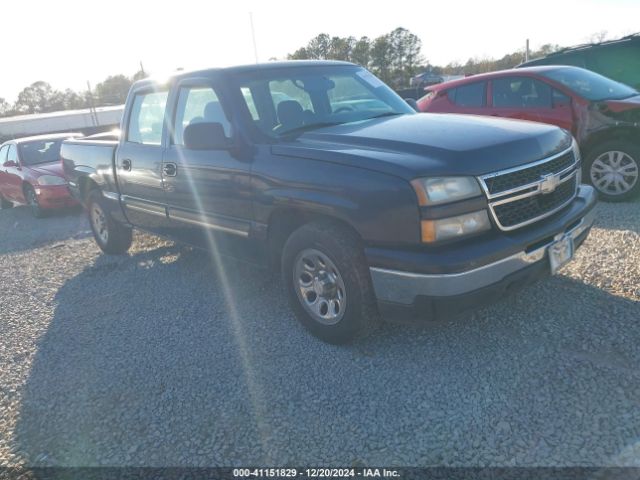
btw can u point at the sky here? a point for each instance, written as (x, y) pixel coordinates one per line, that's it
(70, 42)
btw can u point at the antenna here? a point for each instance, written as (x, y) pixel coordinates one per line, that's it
(253, 35)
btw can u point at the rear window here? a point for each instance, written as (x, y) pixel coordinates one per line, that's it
(472, 95)
(44, 151)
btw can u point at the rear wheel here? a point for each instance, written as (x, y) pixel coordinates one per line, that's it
(613, 169)
(112, 237)
(328, 282)
(32, 201)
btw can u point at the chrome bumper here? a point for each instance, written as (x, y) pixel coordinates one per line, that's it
(403, 287)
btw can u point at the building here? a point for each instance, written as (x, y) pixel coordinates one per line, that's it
(87, 121)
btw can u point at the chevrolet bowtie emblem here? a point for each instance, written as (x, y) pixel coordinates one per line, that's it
(549, 183)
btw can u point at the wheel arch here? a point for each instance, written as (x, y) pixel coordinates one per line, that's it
(284, 221)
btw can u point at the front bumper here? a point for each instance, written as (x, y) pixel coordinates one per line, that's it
(417, 294)
(55, 196)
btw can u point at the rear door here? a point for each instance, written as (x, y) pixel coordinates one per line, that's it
(139, 159)
(527, 98)
(208, 192)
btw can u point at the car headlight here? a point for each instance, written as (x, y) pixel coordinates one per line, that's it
(438, 190)
(51, 180)
(461, 225)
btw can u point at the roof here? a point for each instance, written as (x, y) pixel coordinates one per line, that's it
(635, 37)
(243, 69)
(52, 136)
(497, 73)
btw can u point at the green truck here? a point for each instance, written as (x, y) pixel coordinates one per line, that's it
(616, 59)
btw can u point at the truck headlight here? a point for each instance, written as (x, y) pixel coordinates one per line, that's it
(461, 225)
(51, 180)
(437, 190)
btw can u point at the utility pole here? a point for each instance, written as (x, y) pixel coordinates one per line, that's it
(92, 107)
(526, 52)
(253, 36)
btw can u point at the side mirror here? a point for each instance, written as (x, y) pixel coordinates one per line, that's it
(206, 136)
(10, 163)
(412, 103)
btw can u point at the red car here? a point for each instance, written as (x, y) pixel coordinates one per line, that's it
(31, 173)
(603, 115)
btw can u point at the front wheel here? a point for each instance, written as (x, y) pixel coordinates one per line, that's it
(612, 168)
(112, 237)
(32, 201)
(328, 282)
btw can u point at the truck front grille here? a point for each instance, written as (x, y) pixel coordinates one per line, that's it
(524, 195)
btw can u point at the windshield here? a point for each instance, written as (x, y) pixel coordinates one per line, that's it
(42, 151)
(294, 100)
(590, 85)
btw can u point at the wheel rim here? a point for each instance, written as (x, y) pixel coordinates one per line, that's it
(614, 172)
(319, 286)
(99, 222)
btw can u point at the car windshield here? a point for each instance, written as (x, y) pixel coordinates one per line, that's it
(590, 85)
(288, 101)
(41, 151)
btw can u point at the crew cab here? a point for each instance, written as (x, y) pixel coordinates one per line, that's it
(320, 170)
(602, 114)
(31, 173)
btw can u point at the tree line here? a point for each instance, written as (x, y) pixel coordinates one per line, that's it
(397, 56)
(40, 97)
(394, 57)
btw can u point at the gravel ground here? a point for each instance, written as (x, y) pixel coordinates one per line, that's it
(159, 358)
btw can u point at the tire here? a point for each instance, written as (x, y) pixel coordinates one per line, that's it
(613, 168)
(328, 282)
(5, 203)
(32, 201)
(112, 237)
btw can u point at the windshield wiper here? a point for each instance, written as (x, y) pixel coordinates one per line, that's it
(386, 114)
(306, 128)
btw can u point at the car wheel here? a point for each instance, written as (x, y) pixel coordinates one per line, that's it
(5, 203)
(32, 201)
(613, 169)
(328, 282)
(112, 237)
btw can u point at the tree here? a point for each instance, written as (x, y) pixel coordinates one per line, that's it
(5, 107)
(113, 90)
(35, 98)
(382, 58)
(361, 52)
(405, 47)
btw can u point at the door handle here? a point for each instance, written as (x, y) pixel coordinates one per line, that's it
(170, 169)
(126, 165)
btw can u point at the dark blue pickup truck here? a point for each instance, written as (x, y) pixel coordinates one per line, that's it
(319, 169)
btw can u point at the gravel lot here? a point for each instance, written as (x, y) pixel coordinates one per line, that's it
(159, 358)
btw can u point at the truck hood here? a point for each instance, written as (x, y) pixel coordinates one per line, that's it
(430, 144)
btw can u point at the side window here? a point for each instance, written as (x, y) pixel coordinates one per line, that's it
(12, 154)
(3, 154)
(198, 105)
(472, 95)
(520, 92)
(147, 118)
(560, 99)
(284, 90)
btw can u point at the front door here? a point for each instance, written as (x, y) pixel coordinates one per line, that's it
(208, 192)
(13, 177)
(527, 98)
(139, 160)
(4, 185)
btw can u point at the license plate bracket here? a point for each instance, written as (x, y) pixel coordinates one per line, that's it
(560, 253)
